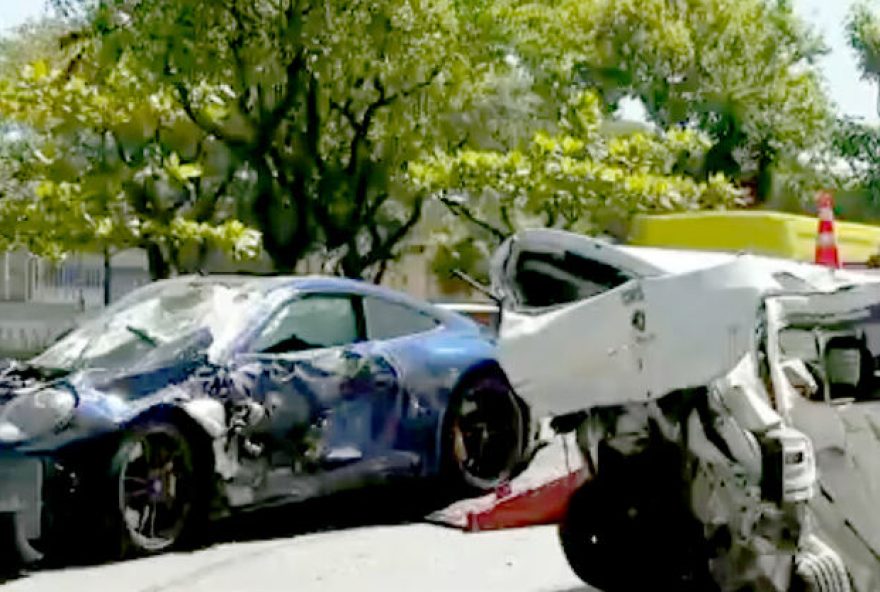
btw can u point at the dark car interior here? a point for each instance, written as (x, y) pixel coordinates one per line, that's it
(552, 279)
(850, 368)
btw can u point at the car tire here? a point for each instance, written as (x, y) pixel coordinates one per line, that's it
(484, 433)
(587, 538)
(152, 497)
(619, 543)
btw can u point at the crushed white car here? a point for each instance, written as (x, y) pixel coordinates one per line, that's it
(724, 403)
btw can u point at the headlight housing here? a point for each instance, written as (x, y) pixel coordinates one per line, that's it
(789, 466)
(34, 414)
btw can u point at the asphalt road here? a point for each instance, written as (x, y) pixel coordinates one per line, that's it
(388, 558)
(361, 541)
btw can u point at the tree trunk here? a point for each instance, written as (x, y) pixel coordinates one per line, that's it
(352, 265)
(108, 276)
(201, 257)
(159, 266)
(380, 272)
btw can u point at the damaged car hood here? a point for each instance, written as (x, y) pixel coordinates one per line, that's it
(38, 404)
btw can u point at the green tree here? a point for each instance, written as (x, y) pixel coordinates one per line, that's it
(855, 141)
(863, 28)
(740, 70)
(321, 105)
(579, 178)
(110, 165)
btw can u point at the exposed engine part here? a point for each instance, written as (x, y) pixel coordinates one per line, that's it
(819, 568)
(744, 490)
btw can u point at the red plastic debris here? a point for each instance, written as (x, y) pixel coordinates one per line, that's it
(544, 505)
(538, 496)
(503, 490)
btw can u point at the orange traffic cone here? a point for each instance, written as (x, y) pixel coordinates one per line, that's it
(826, 243)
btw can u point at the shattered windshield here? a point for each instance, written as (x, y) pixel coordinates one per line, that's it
(158, 320)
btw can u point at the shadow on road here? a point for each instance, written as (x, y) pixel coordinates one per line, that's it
(370, 507)
(388, 505)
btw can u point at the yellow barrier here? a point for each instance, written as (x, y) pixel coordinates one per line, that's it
(760, 232)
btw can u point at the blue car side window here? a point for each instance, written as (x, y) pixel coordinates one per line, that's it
(311, 322)
(388, 320)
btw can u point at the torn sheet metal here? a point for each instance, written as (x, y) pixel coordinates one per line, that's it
(611, 349)
(630, 328)
(839, 411)
(313, 412)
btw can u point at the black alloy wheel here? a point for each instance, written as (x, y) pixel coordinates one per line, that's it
(485, 434)
(157, 492)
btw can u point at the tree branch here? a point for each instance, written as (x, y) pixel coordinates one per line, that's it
(313, 126)
(295, 183)
(386, 249)
(373, 210)
(120, 151)
(380, 272)
(551, 214)
(361, 193)
(205, 205)
(283, 107)
(462, 210)
(361, 127)
(505, 217)
(207, 125)
(236, 44)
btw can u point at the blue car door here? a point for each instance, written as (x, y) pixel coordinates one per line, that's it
(319, 382)
(403, 335)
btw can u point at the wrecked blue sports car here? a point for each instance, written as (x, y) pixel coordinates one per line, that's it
(194, 397)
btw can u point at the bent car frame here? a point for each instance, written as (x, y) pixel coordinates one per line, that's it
(722, 403)
(198, 396)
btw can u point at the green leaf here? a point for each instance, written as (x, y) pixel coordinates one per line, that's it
(40, 70)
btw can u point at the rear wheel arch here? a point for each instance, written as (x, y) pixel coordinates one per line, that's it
(484, 369)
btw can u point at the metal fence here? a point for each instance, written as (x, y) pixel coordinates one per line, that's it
(39, 299)
(77, 280)
(70, 282)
